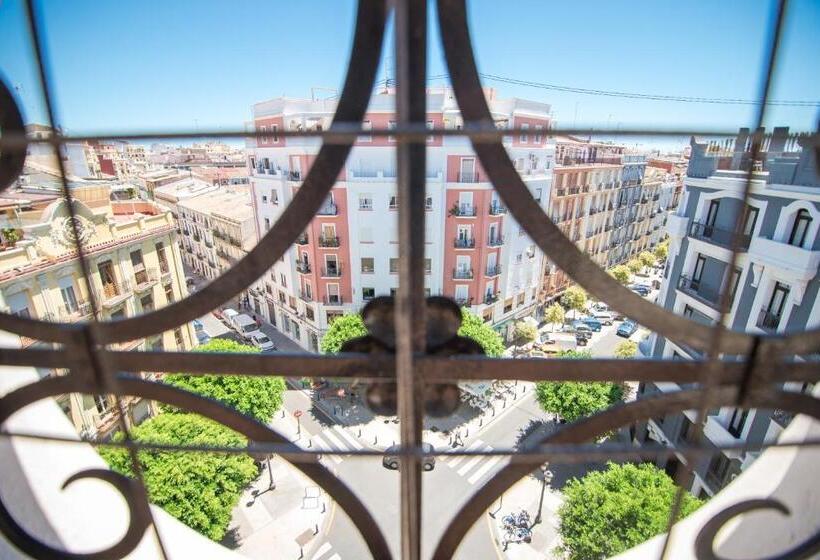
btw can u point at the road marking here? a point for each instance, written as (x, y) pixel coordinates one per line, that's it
(322, 444)
(472, 462)
(322, 549)
(453, 461)
(348, 438)
(334, 441)
(335, 557)
(484, 468)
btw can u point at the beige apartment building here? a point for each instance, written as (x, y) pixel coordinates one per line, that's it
(136, 267)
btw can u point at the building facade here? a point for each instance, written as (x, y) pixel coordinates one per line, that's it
(348, 255)
(774, 287)
(135, 267)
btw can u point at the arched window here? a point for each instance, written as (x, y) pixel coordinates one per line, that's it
(800, 229)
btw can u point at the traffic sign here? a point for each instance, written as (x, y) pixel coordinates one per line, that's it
(298, 413)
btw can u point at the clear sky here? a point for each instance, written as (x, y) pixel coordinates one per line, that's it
(157, 65)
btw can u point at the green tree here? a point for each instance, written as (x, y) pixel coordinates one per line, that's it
(524, 332)
(199, 489)
(572, 400)
(607, 512)
(662, 250)
(351, 326)
(634, 266)
(341, 330)
(647, 259)
(626, 349)
(473, 327)
(575, 299)
(256, 396)
(621, 273)
(554, 314)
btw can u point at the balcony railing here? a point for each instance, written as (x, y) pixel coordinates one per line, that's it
(490, 299)
(463, 273)
(329, 209)
(464, 210)
(144, 279)
(304, 296)
(302, 239)
(718, 236)
(464, 242)
(328, 241)
(332, 271)
(497, 209)
(495, 241)
(303, 267)
(493, 270)
(75, 312)
(468, 177)
(333, 300)
(768, 320)
(695, 288)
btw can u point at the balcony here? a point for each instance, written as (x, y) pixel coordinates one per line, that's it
(560, 192)
(333, 300)
(496, 241)
(303, 267)
(493, 270)
(144, 279)
(328, 241)
(305, 296)
(676, 226)
(469, 177)
(463, 273)
(329, 209)
(302, 239)
(497, 209)
(463, 210)
(209, 244)
(799, 262)
(768, 320)
(490, 299)
(694, 288)
(464, 243)
(75, 312)
(114, 293)
(718, 236)
(332, 271)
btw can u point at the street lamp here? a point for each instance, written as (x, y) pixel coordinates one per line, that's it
(545, 472)
(271, 483)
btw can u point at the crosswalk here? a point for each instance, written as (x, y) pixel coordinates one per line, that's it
(474, 468)
(324, 553)
(336, 438)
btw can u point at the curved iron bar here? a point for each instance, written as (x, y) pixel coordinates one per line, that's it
(11, 122)
(605, 421)
(458, 52)
(704, 542)
(214, 410)
(139, 520)
(359, 82)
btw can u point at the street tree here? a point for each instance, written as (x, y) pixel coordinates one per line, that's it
(571, 400)
(626, 349)
(647, 259)
(632, 503)
(524, 332)
(473, 327)
(634, 266)
(199, 489)
(554, 314)
(256, 396)
(575, 299)
(662, 250)
(341, 330)
(621, 273)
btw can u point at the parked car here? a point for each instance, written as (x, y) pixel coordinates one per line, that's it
(202, 337)
(580, 339)
(578, 326)
(391, 458)
(244, 325)
(600, 306)
(537, 354)
(627, 328)
(640, 289)
(261, 341)
(606, 317)
(594, 324)
(546, 339)
(227, 316)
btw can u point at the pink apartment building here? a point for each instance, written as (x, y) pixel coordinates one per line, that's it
(476, 252)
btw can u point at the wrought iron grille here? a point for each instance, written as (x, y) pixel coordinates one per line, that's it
(418, 349)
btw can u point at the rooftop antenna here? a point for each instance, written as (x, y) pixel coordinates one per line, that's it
(313, 91)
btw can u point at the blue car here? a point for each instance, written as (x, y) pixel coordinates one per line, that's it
(627, 328)
(593, 323)
(641, 290)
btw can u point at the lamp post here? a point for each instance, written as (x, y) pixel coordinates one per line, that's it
(544, 474)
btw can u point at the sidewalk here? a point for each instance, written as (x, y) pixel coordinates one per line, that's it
(525, 495)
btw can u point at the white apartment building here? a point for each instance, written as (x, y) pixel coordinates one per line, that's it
(477, 254)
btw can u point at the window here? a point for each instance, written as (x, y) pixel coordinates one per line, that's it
(368, 265)
(274, 197)
(18, 304)
(750, 220)
(537, 138)
(283, 280)
(778, 300)
(428, 266)
(428, 203)
(101, 403)
(264, 199)
(366, 126)
(508, 305)
(309, 314)
(391, 125)
(147, 303)
(178, 340)
(737, 422)
(366, 201)
(68, 295)
(394, 292)
(263, 131)
(163, 261)
(700, 263)
(430, 126)
(169, 293)
(282, 298)
(394, 266)
(394, 202)
(524, 138)
(520, 300)
(802, 222)
(462, 293)
(267, 224)
(275, 129)
(136, 260)
(368, 293)
(332, 316)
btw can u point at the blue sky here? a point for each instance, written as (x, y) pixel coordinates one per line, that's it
(158, 65)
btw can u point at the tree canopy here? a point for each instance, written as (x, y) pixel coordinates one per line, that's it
(199, 489)
(634, 266)
(607, 512)
(252, 395)
(524, 332)
(647, 258)
(662, 250)
(554, 314)
(621, 273)
(572, 400)
(626, 349)
(473, 327)
(574, 298)
(341, 330)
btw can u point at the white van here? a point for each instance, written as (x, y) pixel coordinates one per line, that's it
(227, 316)
(245, 325)
(604, 317)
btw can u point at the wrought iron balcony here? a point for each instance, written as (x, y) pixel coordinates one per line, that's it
(464, 210)
(327, 241)
(463, 273)
(718, 236)
(302, 239)
(699, 291)
(305, 296)
(333, 300)
(490, 299)
(303, 266)
(464, 243)
(329, 209)
(768, 320)
(332, 271)
(495, 241)
(493, 270)
(497, 209)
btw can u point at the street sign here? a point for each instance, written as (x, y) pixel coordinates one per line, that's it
(298, 413)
